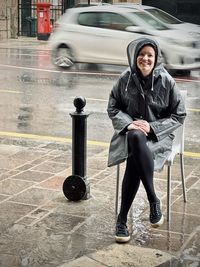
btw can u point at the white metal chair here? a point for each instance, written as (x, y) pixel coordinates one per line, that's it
(177, 149)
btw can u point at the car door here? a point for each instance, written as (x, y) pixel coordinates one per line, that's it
(83, 36)
(102, 37)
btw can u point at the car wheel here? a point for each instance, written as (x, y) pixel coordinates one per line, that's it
(63, 57)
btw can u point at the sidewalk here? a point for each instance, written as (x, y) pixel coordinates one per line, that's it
(25, 42)
(40, 228)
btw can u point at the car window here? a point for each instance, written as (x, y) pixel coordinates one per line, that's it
(113, 21)
(88, 19)
(148, 19)
(106, 20)
(166, 18)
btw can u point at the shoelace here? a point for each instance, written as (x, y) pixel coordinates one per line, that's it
(121, 228)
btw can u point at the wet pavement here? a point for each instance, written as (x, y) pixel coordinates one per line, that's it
(39, 227)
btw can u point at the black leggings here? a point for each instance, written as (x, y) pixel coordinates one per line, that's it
(139, 166)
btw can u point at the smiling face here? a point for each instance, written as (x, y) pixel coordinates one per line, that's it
(146, 60)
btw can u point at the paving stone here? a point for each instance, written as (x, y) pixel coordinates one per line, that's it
(11, 212)
(83, 262)
(56, 182)
(50, 166)
(11, 186)
(123, 255)
(35, 196)
(31, 175)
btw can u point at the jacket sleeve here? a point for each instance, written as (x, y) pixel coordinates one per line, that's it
(120, 119)
(176, 115)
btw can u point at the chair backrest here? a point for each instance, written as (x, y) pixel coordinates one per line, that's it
(178, 142)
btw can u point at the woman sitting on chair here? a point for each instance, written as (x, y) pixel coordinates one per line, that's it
(145, 107)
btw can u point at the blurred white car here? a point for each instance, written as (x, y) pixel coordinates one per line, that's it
(100, 34)
(166, 18)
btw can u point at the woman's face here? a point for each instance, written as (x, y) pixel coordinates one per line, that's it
(146, 60)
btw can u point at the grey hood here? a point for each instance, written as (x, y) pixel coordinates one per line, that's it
(135, 46)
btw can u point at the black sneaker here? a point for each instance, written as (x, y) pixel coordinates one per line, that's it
(122, 233)
(156, 217)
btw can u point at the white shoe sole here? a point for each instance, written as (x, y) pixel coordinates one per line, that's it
(159, 223)
(120, 239)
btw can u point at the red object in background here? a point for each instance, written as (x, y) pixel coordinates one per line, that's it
(43, 21)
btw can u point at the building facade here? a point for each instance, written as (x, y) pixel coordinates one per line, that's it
(8, 19)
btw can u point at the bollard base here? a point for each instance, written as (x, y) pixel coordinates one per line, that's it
(87, 191)
(76, 188)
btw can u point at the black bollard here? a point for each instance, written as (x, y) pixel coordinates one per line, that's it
(76, 186)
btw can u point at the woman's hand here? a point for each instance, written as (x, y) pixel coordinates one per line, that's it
(141, 125)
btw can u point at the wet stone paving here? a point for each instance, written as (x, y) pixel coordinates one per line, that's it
(40, 227)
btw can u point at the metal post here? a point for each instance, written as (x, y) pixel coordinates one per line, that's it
(76, 186)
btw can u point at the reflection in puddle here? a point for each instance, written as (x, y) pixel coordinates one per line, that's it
(58, 79)
(24, 117)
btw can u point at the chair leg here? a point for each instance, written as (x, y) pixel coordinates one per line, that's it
(117, 189)
(183, 177)
(168, 193)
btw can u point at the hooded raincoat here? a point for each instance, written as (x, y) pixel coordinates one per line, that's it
(160, 104)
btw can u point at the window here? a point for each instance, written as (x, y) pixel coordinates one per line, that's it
(166, 18)
(149, 20)
(106, 20)
(113, 21)
(88, 19)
